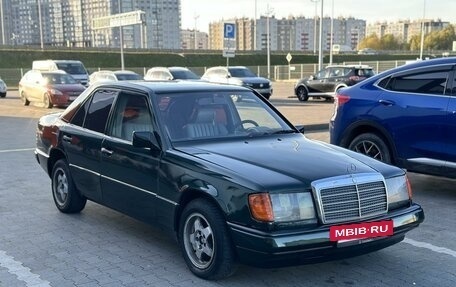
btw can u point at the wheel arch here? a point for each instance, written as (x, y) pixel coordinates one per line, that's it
(192, 194)
(340, 86)
(369, 127)
(301, 85)
(54, 156)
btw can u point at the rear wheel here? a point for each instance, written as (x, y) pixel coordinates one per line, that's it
(24, 99)
(371, 145)
(47, 101)
(66, 196)
(302, 94)
(204, 241)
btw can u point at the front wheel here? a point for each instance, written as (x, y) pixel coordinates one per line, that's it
(24, 99)
(66, 196)
(302, 94)
(204, 241)
(47, 101)
(371, 145)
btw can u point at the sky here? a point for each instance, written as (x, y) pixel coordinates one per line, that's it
(202, 12)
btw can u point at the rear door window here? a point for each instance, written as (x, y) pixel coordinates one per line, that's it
(431, 80)
(98, 111)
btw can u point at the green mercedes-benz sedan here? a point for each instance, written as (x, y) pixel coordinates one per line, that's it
(233, 181)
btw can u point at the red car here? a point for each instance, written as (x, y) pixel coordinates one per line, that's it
(50, 88)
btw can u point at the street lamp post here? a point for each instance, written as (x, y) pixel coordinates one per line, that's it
(315, 26)
(332, 35)
(122, 62)
(194, 37)
(422, 30)
(320, 43)
(3, 22)
(268, 44)
(40, 24)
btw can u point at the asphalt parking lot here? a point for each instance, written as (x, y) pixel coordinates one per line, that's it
(42, 247)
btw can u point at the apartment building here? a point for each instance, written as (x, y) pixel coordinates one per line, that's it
(404, 30)
(188, 40)
(69, 23)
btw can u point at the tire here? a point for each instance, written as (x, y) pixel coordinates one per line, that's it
(24, 99)
(47, 101)
(371, 145)
(302, 94)
(3, 95)
(66, 196)
(204, 241)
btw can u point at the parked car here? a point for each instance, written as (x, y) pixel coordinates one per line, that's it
(405, 116)
(241, 76)
(233, 181)
(72, 67)
(171, 73)
(3, 89)
(329, 80)
(50, 88)
(113, 76)
(367, 51)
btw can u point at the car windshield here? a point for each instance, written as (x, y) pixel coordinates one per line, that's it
(184, 75)
(128, 77)
(73, 69)
(241, 73)
(217, 115)
(58, 79)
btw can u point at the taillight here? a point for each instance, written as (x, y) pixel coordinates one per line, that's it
(341, 99)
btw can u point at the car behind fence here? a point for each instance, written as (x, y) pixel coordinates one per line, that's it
(277, 73)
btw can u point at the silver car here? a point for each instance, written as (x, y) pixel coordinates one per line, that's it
(3, 89)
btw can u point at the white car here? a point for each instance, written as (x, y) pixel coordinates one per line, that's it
(3, 89)
(113, 76)
(170, 73)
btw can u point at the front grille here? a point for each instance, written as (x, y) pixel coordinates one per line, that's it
(260, 86)
(350, 197)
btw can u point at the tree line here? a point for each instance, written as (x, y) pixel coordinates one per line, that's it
(436, 40)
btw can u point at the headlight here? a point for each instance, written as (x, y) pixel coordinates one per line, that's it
(399, 192)
(282, 207)
(55, 92)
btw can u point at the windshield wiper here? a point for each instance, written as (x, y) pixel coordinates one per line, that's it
(284, 132)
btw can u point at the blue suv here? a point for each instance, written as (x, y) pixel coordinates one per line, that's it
(404, 116)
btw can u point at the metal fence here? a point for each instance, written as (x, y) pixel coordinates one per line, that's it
(277, 73)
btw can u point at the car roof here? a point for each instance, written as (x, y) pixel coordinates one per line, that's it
(161, 87)
(124, 72)
(350, 66)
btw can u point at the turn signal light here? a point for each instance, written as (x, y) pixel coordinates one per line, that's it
(260, 207)
(409, 187)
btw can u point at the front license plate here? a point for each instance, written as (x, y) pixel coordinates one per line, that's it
(361, 230)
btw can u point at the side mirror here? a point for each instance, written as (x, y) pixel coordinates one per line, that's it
(311, 77)
(300, 128)
(228, 76)
(146, 140)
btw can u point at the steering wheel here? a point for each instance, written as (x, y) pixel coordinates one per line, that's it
(242, 123)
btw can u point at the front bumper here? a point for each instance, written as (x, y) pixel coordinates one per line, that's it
(301, 247)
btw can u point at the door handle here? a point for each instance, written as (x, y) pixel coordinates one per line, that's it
(67, 138)
(387, 102)
(106, 151)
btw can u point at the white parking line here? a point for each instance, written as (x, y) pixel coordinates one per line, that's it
(21, 272)
(431, 247)
(16, 150)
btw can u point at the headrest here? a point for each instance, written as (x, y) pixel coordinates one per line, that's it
(205, 116)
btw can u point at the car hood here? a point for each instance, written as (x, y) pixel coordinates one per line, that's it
(69, 88)
(279, 163)
(254, 80)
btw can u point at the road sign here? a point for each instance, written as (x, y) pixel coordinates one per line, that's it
(229, 53)
(118, 20)
(229, 30)
(289, 57)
